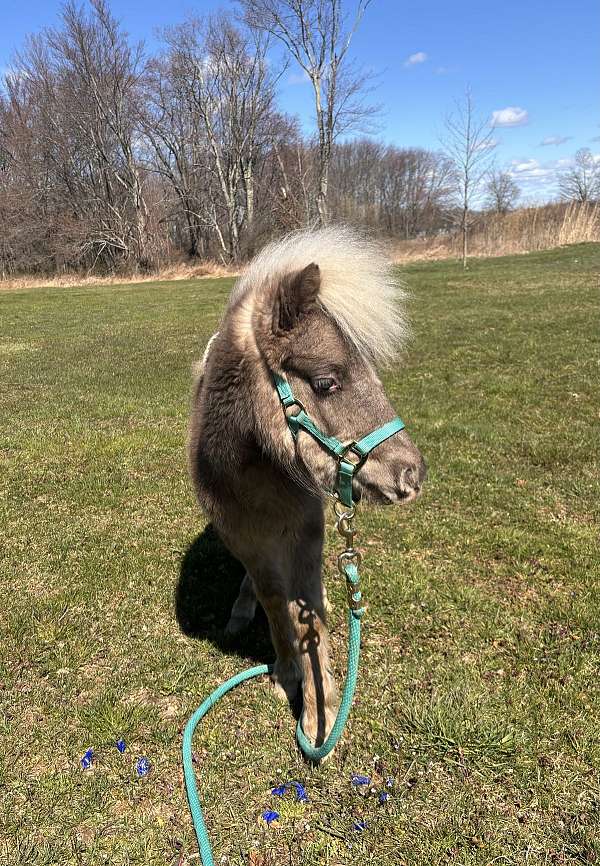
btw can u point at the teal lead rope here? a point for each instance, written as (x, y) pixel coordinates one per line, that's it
(313, 753)
(317, 753)
(350, 458)
(188, 766)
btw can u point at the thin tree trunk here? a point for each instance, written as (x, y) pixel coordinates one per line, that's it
(248, 182)
(465, 231)
(322, 207)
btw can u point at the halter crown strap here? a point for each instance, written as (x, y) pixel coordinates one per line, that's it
(361, 449)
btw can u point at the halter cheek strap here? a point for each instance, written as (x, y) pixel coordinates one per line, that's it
(350, 456)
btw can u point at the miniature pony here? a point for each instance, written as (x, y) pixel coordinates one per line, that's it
(322, 309)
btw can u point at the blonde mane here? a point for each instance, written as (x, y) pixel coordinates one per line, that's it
(358, 287)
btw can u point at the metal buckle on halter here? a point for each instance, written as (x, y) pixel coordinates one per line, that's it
(290, 405)
(349, 556)
(351, 448)
(345, 527)
(292, 417)
(346, 511)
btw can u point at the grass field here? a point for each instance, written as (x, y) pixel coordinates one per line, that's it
(479, 692)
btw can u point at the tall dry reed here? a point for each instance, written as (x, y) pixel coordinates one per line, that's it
(521, 231)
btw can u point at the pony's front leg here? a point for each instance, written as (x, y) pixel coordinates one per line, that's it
(299, 633)
(319, 693)
(289, 588)
(271, 591)
(308, 614)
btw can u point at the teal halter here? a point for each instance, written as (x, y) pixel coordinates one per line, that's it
(359, 450)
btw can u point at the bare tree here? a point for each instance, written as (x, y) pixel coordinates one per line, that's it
(468, 143)
(100, 75)
(317, 36)
(400, 191)
(211, 100)
(581, 183)
(502, 192)
(73, 126)
(176, 151)
(288, 188)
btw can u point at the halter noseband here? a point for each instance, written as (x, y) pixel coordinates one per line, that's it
(351, 456)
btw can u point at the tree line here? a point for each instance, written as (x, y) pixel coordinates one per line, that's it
(116, 159)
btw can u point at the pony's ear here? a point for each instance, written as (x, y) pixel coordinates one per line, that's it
(296, 294)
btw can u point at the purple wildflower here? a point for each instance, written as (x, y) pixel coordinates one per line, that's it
(279, 791)
(383, 798)
(301, 795)
(360, 825)
(87, 760)
(358, 780)
(142, 767)
(269, 816)
(120, 744)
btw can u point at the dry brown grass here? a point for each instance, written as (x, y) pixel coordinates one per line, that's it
(522, 231)
(176, 271)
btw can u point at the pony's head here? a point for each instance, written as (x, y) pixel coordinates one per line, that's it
(321, 308)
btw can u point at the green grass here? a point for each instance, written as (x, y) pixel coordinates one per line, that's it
(479, 689)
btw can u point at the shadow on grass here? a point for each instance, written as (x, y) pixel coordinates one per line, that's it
(209, 581)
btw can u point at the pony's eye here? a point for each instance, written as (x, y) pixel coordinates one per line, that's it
(324, 385)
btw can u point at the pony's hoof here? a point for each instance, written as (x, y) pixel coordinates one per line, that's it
(313, 728)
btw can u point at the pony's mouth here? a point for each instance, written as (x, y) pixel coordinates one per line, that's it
(383, 495)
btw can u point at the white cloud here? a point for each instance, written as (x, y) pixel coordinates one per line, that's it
(529, 168)
(488, 145)
(298, 77)
(419, 57)
(510, 116)
(538, 180)
(555, 139)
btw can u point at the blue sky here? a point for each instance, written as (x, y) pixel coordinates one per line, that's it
(540, 59)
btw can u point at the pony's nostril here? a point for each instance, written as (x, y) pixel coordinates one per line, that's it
(410, 477)
(413, 476)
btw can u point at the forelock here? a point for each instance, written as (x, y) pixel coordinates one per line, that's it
(358, 287)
